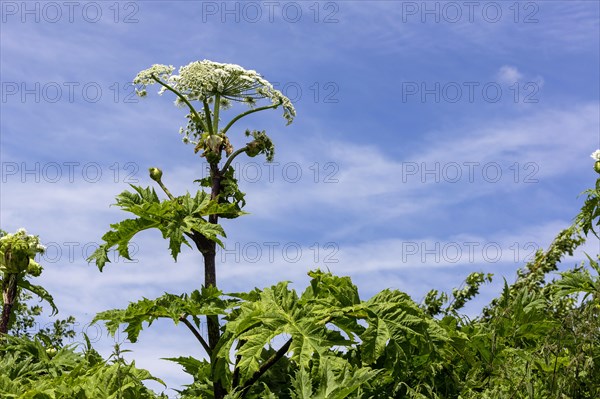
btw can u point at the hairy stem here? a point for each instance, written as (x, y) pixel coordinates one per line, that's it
(210, 276)
(9, 294)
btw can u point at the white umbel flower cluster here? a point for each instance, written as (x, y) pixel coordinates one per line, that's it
(203, 80)
(596, 155)
(147, 77)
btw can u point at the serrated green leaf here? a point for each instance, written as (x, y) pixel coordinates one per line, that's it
(168, 306)
(174, 218)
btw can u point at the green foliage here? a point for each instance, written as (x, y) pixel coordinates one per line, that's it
(230, 192)
(261, 144)
(174, 218)
(534, 341)
(537, 339)
(580, 281)
(17, 265)
(25, 323)
(278, 311)
(331, 378)
(434, 300)
(25, 315)
(169, 306)
(17, 253)
(40, 292)
(590, 212)
(326, 340)
(31, 370)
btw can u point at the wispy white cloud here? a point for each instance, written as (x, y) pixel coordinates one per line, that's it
(476, 28)
(452, 168)
(509, 74)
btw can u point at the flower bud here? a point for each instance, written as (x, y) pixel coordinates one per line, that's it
(253, 148)
(597, 166)
(34, 268)
(155, 174)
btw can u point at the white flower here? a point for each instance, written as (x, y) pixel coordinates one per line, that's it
(22, 231)
(201, 80)
(147, 76)
(596, 155)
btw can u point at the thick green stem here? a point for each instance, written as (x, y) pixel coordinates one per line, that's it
(165, 189)
(216, 114)
(196, 333)
(181, 96)
(231, 158)
(208, 249)
(240, 116)
(210, 275)
(208, 119)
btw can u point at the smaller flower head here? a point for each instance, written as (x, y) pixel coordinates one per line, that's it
(149, 76)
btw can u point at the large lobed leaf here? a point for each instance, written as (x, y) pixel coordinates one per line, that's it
(392, 316)
(174, 218)
(168, 306)
(277, 311)
(333, 377)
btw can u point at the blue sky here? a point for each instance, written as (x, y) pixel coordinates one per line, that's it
(432, 139)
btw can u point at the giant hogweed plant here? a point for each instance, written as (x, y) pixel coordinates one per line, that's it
(206, 90)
